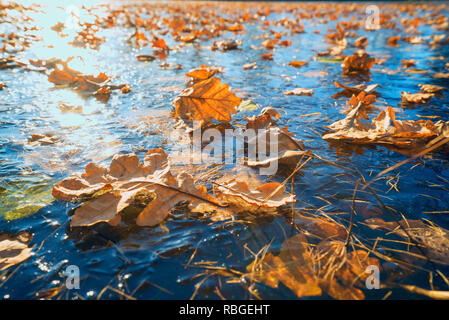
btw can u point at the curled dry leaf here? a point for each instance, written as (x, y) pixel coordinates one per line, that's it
(285, 43)
(349, 91)
(416, 97)
(321, 227)
(248, 66)
(362, 99)
(266, 117)
(269, 44)
(430, 88)
(359, 62)
(384, 129)
(145, 58)
(150, 188)
(226, 45)
(311, 270)
(236, 27)
(393, 41)
(299, 92)
(297, 64)
(361, 42)
(14, 250)
(267, 56)
(242, 195)
(42, 139)
(287, 151)
(204, 72)
(206, 100)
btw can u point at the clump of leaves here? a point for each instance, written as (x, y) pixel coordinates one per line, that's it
(94, 85)
(363, 101)
(384, 129)
(359, 63)
(309, 270)
(42, 139)
(153, 189)
(430, 88)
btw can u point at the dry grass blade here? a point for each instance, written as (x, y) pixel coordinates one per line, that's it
(433, 294)
(419, 154)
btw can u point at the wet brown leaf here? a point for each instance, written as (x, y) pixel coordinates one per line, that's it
(266, 117)
(434, 239)
(430, 88)
(150, 187)
(416, 97)
(311, 271)
(204, 72)
(297, 64)
(299, 92)
(14, 250)
(359, 62)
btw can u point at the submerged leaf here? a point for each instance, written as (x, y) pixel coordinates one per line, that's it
(14, 250)
(434, 239)
(311, 270)
(430, 88)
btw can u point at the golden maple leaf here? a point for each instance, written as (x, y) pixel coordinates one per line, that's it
(206, 100)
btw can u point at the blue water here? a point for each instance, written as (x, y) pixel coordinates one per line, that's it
(152, 260)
